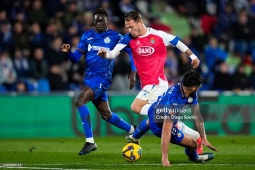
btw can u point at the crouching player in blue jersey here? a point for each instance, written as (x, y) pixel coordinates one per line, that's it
(164, 115)
(98, 76)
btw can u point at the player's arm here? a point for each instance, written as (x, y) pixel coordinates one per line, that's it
(132, 74)
(80, 50)
(194, 60)
(165, 141)
(116, 50)
(175, 41)
(182, 47)
(199, 122)
(73, 57)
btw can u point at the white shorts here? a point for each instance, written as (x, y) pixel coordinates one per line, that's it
(151, 93)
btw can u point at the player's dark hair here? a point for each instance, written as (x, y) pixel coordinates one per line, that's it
(192, 78)
(133, 15)
(100, 11)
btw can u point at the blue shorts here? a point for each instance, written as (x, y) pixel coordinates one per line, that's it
(99, 86)
(176, 134)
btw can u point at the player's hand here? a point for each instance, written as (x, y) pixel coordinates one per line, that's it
(165, 162)
(195, 63)
(207, 144)
(102, 53)
(65, 48)
(132, 79)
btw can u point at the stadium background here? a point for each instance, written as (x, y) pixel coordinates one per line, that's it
(28, 102)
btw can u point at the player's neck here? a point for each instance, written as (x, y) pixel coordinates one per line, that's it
(143, 30)
(99, 32)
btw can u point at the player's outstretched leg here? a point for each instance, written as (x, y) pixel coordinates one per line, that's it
(117, 121)
(142, 128)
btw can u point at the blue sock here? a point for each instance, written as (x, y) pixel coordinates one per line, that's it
(191, 154)
(141, 129)
(119, 122)
(85, 119)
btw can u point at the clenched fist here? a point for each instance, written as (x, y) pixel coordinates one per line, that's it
(65, 48)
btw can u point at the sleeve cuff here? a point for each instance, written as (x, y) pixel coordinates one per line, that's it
(193, 56)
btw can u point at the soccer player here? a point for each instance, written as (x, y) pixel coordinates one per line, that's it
(98, 76)
(164, 115)
(149, 51)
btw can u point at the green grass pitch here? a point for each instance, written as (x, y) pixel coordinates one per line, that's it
(234, 152)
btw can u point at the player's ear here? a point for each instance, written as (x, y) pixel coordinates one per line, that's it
(140, 23)
(194, 88)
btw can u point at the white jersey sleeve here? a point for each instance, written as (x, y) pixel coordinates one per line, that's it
(115, 52)
(120, 46)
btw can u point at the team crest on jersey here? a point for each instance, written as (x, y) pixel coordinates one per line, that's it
(107, 40)
(190, 99)
(145, 50)
(152, 40)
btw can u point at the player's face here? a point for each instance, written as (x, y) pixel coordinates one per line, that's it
(100, 22)
(134, 28)
(195, 88)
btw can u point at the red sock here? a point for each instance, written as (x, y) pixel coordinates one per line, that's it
(199, 146)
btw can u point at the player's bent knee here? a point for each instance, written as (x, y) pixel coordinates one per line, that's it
(105, 115)
(135, 109)
(78, 103)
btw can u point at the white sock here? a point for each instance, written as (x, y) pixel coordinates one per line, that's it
(144, 110)
(132, 129)
(187, 130)
(90, 140)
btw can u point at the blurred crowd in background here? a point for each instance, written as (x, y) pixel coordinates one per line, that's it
(222, 35)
